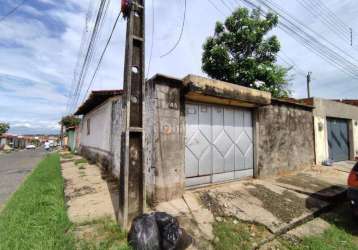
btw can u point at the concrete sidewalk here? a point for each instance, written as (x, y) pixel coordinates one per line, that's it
(280, 204)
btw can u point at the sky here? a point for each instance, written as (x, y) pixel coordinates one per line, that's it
(40, 44)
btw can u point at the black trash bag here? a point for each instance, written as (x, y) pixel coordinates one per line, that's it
(144, 233)
(172, 236)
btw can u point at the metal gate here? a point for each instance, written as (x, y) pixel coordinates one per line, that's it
(338, 139)
(218, 143)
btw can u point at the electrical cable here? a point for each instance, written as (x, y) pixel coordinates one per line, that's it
(152, 42)
(102, 55)
(12, 11)
(180, 36)
(89, 53)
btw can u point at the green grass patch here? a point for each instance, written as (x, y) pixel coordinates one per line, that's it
(35, 217)
(102, 234)
(81, 161)
(233, 234)
(343, 233)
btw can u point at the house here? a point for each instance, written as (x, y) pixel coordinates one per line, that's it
(200, 131)
(99, 126)
(336, 129)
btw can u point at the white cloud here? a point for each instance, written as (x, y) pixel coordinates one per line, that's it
(44, 49)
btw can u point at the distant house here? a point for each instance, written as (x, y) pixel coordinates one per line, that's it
(100, 124)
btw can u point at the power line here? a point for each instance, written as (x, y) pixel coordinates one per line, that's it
(102, 56)
(180, 36)
(216, 7)
(290, 26)
(12, 11)
(152, 42)
(81, 52)
(90, 51)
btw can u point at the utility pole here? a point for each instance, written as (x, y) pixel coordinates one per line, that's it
(132, 175)
(309, 84)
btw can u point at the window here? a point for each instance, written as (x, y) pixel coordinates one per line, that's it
(88, 126)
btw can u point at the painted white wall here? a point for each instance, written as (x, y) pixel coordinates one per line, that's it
(100, 127)
(321, 141)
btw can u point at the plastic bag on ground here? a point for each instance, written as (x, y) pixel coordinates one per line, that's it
(158, 230)
(144, 233)
(173, 237)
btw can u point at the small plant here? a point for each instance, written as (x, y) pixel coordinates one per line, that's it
(82, 167)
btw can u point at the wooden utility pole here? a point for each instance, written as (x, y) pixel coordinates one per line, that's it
(132, 175)
(309, 84)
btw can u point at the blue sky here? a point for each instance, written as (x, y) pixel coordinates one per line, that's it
(39, 45)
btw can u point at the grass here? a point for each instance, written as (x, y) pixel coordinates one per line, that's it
(232, 234)
(81, 161)
(36, 218)
(341, 235)
(105, 234)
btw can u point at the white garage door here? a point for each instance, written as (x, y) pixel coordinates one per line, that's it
(218, 143)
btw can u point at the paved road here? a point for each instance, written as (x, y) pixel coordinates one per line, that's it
(14, 167)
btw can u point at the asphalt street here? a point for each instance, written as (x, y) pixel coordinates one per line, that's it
(14, 167)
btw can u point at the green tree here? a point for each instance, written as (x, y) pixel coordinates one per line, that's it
(240, 52)
(70, 121)
(4, 127)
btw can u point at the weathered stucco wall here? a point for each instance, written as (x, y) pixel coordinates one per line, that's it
(327, 108)
(168, 151)
(286, 139)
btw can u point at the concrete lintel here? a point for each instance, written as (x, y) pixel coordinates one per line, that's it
(220, 89)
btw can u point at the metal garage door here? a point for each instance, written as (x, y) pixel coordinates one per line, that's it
(218, 144)
(338, 141)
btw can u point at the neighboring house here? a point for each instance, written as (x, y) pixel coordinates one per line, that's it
(336, 129)
(100, 129)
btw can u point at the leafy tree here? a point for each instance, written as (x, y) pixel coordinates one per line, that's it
(240, 52)
(70, 121)
(4, 127)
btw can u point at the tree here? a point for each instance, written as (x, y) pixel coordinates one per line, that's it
(70, 121)
(241, 53)
(4, 127)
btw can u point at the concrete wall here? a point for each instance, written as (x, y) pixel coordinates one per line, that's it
(166, 175)
(285, 139)
(326, 108)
